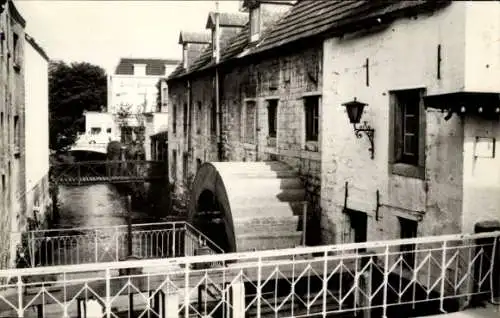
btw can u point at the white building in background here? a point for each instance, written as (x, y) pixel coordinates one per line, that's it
(36, 77)
(135, 83)
(100, 127)
(137, 87)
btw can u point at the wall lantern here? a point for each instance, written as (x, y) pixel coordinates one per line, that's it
(355, 111)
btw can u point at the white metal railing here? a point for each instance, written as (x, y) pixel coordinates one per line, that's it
(110, 244)
(442, 274)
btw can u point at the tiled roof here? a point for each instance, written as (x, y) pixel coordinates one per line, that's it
(194, 37)
(227, 19)
(308, 18)
(153, 66)
(313, 17)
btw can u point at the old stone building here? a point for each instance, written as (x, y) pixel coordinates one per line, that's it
(289, 90)
(267, 104)
(429, 74)
(12, 132)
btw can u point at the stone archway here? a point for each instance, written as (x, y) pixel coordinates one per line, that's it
(245, 206)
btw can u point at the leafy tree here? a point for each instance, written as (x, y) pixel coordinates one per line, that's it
(73, 89)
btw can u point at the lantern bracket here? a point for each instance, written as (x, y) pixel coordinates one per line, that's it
(369, 132)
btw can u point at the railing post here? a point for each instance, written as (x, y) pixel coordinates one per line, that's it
(304, 223)
(325, 282)
(386, 281)
(259, 286)
(443, 278)
(32, 248)
(108, 294)
(173, 241)
(117, 245)
(187, 292)
(20, 307)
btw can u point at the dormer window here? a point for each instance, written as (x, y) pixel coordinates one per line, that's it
(139, 69)
(254, 23)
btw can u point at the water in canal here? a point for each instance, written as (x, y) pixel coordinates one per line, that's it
(95, 205)
(91, 228)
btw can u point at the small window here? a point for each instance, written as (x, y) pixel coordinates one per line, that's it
(108, 130)
(198, 164)
(95, 130)
(249, 124)
(16, 53)
(199, 119)
(174, 120)
(408, 229)
(185, 168)
(185, 119)
(17, 133)
(173, 167)
(408, 132)
(4, 188)
(312, 117)
(272, 117)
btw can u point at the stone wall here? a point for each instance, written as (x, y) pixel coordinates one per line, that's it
(287, 79)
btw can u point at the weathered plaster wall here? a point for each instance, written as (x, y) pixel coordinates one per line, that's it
(481, 174)
(401, 56)
(482, 50)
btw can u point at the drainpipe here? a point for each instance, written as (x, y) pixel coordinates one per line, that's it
(217, 93)
(189, 97)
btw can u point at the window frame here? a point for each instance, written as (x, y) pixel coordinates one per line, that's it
(245, 123)
(173, 167)
(311, 133)
(199, 118)
(406, 166)
(174, 122)
(272, 103)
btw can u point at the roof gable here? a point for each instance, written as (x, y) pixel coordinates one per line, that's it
(194, 37)
(237, 20)
(154, 67)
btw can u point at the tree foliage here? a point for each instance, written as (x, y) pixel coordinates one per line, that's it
(73, 89)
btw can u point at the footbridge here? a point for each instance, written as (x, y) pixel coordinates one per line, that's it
(108, 171)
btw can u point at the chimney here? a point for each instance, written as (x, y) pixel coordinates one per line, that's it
(224, 26)
(193, 44)
(264, 13)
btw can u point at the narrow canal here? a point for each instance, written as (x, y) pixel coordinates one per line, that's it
(92, 227)
(95, 205)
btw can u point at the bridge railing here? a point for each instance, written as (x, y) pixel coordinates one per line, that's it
(108, 171)
(400, 278)
(110, 244)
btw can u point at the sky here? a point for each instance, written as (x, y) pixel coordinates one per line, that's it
(101, 32)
